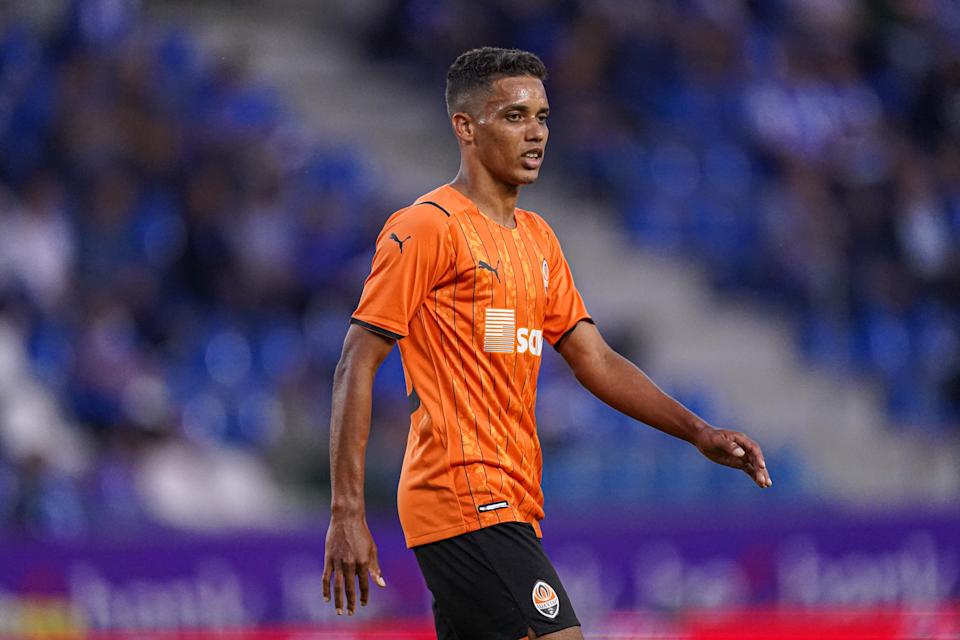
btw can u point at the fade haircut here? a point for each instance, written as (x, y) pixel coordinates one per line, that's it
(473, 73)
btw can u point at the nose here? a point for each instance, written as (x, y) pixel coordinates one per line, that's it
(536, 131)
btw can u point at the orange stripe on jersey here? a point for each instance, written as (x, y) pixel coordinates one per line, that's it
(471, 303)
(475, 250)
(532, 293)
(503, 322)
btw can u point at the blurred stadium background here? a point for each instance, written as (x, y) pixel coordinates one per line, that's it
(761, 203)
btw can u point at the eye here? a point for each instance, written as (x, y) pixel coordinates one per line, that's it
(542, 118)
(514, 117)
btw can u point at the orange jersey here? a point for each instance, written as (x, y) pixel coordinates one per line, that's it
(471, 303)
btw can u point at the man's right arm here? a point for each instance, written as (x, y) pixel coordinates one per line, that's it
(350, 551)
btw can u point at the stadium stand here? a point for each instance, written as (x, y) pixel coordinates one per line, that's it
(200, 248)
(760, 203)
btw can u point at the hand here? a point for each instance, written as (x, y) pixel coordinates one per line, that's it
(350, 554)
(734, 449)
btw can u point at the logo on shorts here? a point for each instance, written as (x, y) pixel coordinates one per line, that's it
(545, 599)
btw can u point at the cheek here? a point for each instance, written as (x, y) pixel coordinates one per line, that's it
(498, 145)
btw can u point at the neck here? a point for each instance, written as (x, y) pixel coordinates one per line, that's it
(494, 199)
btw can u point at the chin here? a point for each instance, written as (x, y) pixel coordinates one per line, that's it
(527, 177)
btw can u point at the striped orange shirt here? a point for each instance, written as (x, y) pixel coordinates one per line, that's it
(471, 303)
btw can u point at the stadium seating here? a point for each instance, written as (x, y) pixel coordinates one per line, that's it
(177, 260)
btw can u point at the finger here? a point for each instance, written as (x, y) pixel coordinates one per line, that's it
(349, 575)
(375, 571)
(756, 474)
(338, 589)
(753, 449)
(756, 455)
(767, 479)
(327, 570)
(364, 584)
(729, 460)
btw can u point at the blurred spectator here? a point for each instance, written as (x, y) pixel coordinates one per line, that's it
(37, 245)
(156, 280)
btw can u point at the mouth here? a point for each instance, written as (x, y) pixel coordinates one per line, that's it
(531, 159)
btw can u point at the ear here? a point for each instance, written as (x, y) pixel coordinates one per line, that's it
(463, 126)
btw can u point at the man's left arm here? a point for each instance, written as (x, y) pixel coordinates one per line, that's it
(623, 386)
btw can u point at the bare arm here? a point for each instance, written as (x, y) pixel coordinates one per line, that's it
(623, 386)
(350, 550)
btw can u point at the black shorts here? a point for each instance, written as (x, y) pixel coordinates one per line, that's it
(494, 583)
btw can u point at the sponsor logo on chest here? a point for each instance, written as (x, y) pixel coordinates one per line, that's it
(501, 334)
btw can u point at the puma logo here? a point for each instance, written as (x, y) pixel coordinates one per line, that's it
(400, 242)
(484, 265)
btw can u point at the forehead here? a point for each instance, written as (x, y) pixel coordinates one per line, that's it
(510, 90)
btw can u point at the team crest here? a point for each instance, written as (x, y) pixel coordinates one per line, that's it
(545, 269)
(545, 599)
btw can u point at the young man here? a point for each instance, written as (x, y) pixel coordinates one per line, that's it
(471, 287)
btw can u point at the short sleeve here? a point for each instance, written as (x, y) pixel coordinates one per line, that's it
(565, 305)
(412, 254)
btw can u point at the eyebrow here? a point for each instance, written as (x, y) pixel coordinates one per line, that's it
(524, 108)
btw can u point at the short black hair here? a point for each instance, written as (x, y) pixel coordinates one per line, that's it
(476, 70)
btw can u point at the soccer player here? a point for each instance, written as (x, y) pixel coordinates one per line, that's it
(471, 287)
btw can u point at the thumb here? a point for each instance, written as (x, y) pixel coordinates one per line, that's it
(735, 448)
(375, 572)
